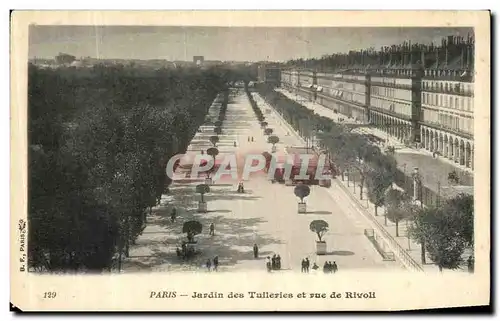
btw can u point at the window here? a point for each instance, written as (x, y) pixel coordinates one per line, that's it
(456, 103)
(440, 100)
(451, 102)
(441, 87)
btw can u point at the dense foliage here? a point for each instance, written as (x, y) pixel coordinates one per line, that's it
(99, 141)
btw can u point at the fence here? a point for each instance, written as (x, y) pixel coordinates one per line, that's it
(401, 253)
(379, 245)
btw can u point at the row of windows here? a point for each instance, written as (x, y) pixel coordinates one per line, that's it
(392, 92)
(451, 87)
(460, 103)
(448, 121)
(395, 107)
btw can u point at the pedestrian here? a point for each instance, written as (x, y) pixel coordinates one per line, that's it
(255, 251)
(252, 138)
(273, 262)
(216, 263)
(278, 262)
(315, 266)
(184, 250)
(303, 266)
(173, 215)
(325, 267)
(268, 264)
(208, 265)
(248, 138)
(307, 264)
(470, 264)
(212, 229)
(335, 267)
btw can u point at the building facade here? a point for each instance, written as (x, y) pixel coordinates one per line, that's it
(432, 107)
(345, 93)
(269, 74)
(447, 117)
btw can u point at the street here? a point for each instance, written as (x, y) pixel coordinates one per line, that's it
(266, 215)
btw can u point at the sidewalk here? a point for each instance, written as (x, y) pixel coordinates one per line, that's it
(434, 171)
(410, 246)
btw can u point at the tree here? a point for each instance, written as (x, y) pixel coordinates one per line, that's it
(396, 202)
(63, 58)
(214, 140)
(202, 189)
(218, 123)
(192, 228)
(462, 207)
(319, 227)
(439, 231)
(263, 124)
(377, 183)
(302, 191)
(212, 151)
(268, 131)
(273, 140)
(218, 130)
(98, 142)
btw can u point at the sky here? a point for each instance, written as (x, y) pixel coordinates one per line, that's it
(219, 43)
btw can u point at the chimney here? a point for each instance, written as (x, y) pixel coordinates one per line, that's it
(468, 56)
(422, 58)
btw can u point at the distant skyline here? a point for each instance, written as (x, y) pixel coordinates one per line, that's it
(220, 43)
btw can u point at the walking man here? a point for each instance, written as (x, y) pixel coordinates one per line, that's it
(212, 229)
(208, 265)
(173, 215)
(307, 264)
(216, 263)
(255, 251)
(303, 264)
(335, 268)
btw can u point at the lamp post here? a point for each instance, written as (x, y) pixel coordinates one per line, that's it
(416, 181)
(417, 185)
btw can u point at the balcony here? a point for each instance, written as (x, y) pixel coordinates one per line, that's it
(391, 85)
(449, 91)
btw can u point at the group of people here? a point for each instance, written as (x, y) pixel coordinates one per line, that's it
(305, 265)
(250, 139)
(241, 189)
(273, 263)
(330, 267)
(212, 266)
(186, 252)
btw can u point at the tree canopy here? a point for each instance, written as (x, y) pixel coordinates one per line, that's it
(319, 227)
(302, 191)
(99, 141)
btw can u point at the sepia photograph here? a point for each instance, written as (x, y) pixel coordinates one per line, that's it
(243, 154)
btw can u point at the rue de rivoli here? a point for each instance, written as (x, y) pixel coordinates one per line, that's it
(281, 295)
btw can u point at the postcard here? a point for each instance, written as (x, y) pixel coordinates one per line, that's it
(250, 161)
